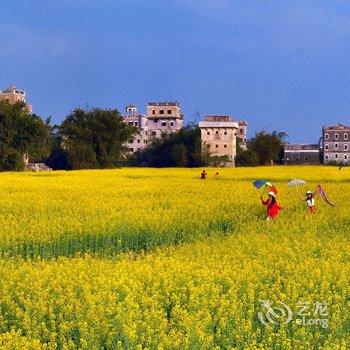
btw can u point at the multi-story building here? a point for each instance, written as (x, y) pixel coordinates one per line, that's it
(336, 144)
(301, 154)
(218, 135)
(13, 95)
(140, 122)
(242, 133)
(163, 118)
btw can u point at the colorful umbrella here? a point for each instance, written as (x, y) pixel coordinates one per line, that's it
(259, 183)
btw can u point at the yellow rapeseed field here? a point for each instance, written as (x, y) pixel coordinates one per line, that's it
(158, 259)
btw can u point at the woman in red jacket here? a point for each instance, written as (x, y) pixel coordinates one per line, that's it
(272, 206)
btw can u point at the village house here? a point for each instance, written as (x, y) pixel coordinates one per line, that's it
(302, 154)
(218, 136)
(336, 144)
(13, 95)
(161, 118)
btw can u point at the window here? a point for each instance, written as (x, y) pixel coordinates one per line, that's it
(144, 141)
(345, 147)
(225, 132)
(336, 136)
(138, 140)
(217, 132)
(154, 133)
(153, 111)
(131, 149)
(138, 133)
(208, 146)
(326, 136)
(169, 111)
(336, 156)
(155, 120)
(208, 132)
(131, 123)
(345, 136)
(326, 156)
(172, 124)
(136, 123)
(216, 146)
(241, 131)
(336, 146)
(225, 146)
(345, 157)
(163, 123)
(161, 111)
(326, 147)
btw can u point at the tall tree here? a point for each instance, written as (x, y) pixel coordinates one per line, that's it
(268, 147)
(95, 138)
(21, 133)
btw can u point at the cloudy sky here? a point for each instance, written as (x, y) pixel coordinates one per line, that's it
(280, 65)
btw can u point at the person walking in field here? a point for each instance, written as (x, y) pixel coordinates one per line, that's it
(310, 201)
(272, 207)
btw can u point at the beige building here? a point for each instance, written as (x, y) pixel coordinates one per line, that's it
(218, 135)
(13, 95)
(163, 118)
(336, 144)
(242, 133)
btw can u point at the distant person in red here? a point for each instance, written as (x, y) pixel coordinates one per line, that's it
(203, 175)
(272, 206)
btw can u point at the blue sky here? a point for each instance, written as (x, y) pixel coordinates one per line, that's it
(280, 65)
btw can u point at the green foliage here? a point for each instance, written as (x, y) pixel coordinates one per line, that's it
(21, 133)
(94, 138)
(218, 161)
(179, 155)
(263, 149)
(268, 147)
(181, 149)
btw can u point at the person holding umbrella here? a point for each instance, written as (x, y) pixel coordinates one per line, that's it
(272, 206)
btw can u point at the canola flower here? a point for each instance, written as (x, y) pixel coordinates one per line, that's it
(199, 290)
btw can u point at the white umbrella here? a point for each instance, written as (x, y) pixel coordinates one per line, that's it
(296, 182)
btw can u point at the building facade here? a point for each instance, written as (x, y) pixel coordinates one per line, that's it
(13, 95)
(242, 133)
(161, 118)
(218, 135)
(132, 117)
(302, 154)
(336, 144)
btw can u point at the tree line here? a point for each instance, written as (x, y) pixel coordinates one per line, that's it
(97, 138)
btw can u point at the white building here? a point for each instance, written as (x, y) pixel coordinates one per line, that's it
(162, 118)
